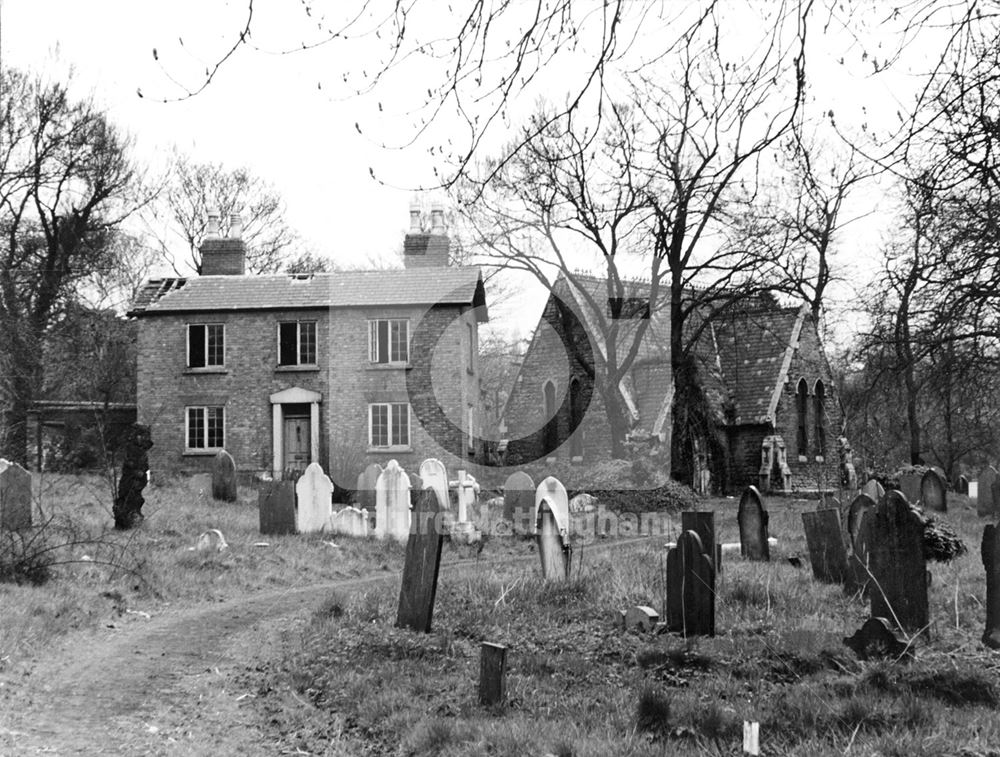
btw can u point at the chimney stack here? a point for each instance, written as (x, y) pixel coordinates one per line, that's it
(423, 249)
(223, 257)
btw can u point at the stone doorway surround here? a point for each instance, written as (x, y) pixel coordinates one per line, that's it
(294, 396)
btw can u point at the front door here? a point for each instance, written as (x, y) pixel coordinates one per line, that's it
(296, 443)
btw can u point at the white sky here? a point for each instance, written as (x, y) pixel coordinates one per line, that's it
(285, 117)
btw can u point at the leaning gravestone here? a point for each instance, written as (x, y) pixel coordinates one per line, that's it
(366, 486)
(420, 570)
(434, 475)
(933, 494)
(15, 497)
(224, 477)
(827, 552)
(855, 512)
(752, 518)
(392, 503)
(350, 521)
(313, 500)
(519, 501)
(127, 509)
(892, 537)
(874, 490)
(702, 522)
(985, 505)
(690, 588)
(991, 561)
(909, 484)
(551, 522)
(276, 505)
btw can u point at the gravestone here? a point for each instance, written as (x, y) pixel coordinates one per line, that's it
(752, 518)
(829, 500)
(909, 484)
(985, 504)
(224, 477)
(519, 501)
(466, 490)
(855, 512)
(962, 485)
(702, 522)
(392, 503)
(991, 561)
(892, 537)
(827, 553)
(15, 497)
(350, 521)
(366, 487)
(552, 510)
(127, 508)
(313, 500)
(641, 618)
(276, 505)
(874, 490)
(211, 540)
(420, 569)
(876, 640)
(690, 588)
(434, 475)
(933, 494)
(492, 674)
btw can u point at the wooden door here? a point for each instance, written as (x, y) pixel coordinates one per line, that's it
(296, 444)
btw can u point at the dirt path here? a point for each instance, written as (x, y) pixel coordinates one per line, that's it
(165, 685)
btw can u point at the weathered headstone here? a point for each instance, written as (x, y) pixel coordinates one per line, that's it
(224, 477)
(690, 588)
(276, 503)
(855, 512)
(641, 618)
(313, 500)
(434, 475)
(15, 497)
(366, 487)
(492, 674)
(420, 569)
(876, 640)
(909, 484)
(962, 485)
(874, 490)
(392, 503)
(752, 518)
(892, 537)
(985, 505)
(702, 522)
(519, 501)
(827, 553)
(350, 521)
(991, 561)
(933, 494)
(127, 509)
(211, 540)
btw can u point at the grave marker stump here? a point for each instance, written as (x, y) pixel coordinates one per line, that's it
(224, 477)
(892, 537)
(276, 505)
(985, 504)
(313, 500)
(991, 561)
(690, 588)
(420, 570)
(519, 501)
(702, 522)
(15, 497)
(827, 553)
(752, 519)
(492, 674)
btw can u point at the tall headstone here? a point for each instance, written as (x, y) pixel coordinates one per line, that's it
(15, 497)
(313, 500)
(224, 477)
(552, 491)
(933, 492)
(702, 522)
(392, 503)
(991, 561)
(434, 475)
(752, 518)
(366, 486)
(874, 490)
(276, 505)
(420, 569)
(690, 588)
(127, 509)
(909, 484)
(985, 505)
(855, 512)
(825, 541)
(552, 528)
(892, 537)
(519, 501)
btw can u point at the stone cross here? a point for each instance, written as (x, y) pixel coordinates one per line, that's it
(892, 539)
(827, 552)
(933, 493)
(420, 569)
(752, 518)
(313, 500)
(366, 486)
(519, 501)
(435, 476)
(702, 522)
(15, 497)
(224, 477)
(690, 588)
(466, 488)
(991, 561)
(276, 505)
(985, 505)
(552, 528)
(392, 503)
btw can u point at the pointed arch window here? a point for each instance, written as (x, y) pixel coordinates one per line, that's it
(819, 418)
(802, 416)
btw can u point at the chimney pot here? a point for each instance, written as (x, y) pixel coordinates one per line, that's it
(437, 218)
(212, 229)
(235, 226)
(416, 225)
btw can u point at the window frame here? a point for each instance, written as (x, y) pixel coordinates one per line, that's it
(206, 447)
(373, 342)
(299, 362)
(802, 418)
(819, 411)
(206, 365)
(393, 444)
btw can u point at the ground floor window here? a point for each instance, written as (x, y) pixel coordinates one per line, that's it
(389, 424)
(205, 427)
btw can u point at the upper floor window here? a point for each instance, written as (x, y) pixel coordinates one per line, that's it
(205, 427)
(388, 340)
(297, 343)
(819, 419)
(389, 424)
(801, 412)
(206, 345)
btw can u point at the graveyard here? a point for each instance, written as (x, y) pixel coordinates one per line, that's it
(757, 611)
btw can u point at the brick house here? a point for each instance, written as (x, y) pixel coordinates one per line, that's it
(773, 417)
(342, 368)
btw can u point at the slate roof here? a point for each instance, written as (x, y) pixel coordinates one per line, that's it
(342, 289)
